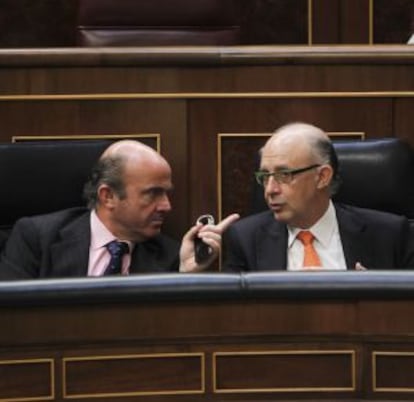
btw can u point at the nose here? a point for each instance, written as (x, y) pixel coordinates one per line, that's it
(272, 186)
(165, 203)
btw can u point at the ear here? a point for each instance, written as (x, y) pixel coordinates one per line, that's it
(325, 176)
(106, 196)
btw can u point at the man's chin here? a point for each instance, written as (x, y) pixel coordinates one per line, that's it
(281, 216)
(148, 234)
(155, 229)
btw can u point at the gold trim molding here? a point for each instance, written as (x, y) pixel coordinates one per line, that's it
(80, 137)
(310, 22)
(51, 363)
(376, 354)
(201, 390)
(351, 353)
(371, 23)
(207, 95)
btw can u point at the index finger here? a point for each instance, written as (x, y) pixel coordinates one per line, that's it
(226, 222)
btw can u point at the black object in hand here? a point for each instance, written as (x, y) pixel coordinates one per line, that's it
(201, 249)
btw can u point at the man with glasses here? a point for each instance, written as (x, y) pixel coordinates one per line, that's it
(303, 228)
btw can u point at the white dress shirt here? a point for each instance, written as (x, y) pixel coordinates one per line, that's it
(327, 243)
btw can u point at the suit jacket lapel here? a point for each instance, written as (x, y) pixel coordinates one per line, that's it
(70, 254)
(154, 256)
(271, 246)
(356, 245)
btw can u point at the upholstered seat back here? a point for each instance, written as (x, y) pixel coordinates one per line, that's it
(157, 22)
(377, 174)
(43, 177)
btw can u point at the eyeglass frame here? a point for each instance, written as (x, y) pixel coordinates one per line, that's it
(283, 176)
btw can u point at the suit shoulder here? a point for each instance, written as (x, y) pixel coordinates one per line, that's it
(163, 243)
(371, 214)
(53, 219)
(254, 220)
(168, 241)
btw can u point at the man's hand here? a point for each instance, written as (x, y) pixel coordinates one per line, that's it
(359, 267)
(209, 234)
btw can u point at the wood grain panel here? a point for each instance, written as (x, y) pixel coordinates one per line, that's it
(240, 90)
(373, 317)
(41, 23)
(48, 23)
(274, 21)
(393, 21)
(282, 75)
(355, 21)
(211, 117)
(123, 375)
(341, 21)
(284, 371)
(303, 346)
(27, 380)
(325, 21)
(63, 118)
(393, 371)
(163, 321)
(403, 119)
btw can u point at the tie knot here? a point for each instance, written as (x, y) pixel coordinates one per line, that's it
(306, 237)
(117, 248)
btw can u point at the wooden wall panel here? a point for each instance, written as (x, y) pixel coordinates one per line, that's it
(27, 380)
(285, 371)
(249, 343)
(327, 11)
(274, 21)
(83, 117)
(40, 23)
(133, 375)
(257, 70)
(190, 96)
(403, 119)
(387, 378)
(211, 117)
(393, 21)
(355, 21)
(52, 23)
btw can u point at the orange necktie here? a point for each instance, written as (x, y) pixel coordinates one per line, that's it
(311, 258)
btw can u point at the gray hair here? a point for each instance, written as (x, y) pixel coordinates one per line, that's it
(325, 152)
(108, 170)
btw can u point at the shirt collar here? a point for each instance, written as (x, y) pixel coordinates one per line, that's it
(100, 235)
(323, 229)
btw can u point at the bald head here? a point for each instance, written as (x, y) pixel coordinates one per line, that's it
(300, 137)
(118, 159)
(307, 143)
(129, 149)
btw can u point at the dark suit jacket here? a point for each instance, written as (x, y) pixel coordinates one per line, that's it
(377, 240)
(57, 245)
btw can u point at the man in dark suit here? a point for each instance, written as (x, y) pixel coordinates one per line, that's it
(298, 171)
(128, 197)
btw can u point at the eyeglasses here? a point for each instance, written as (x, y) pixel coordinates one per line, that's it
(283, 176)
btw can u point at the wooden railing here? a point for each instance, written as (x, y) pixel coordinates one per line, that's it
(213, 337)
